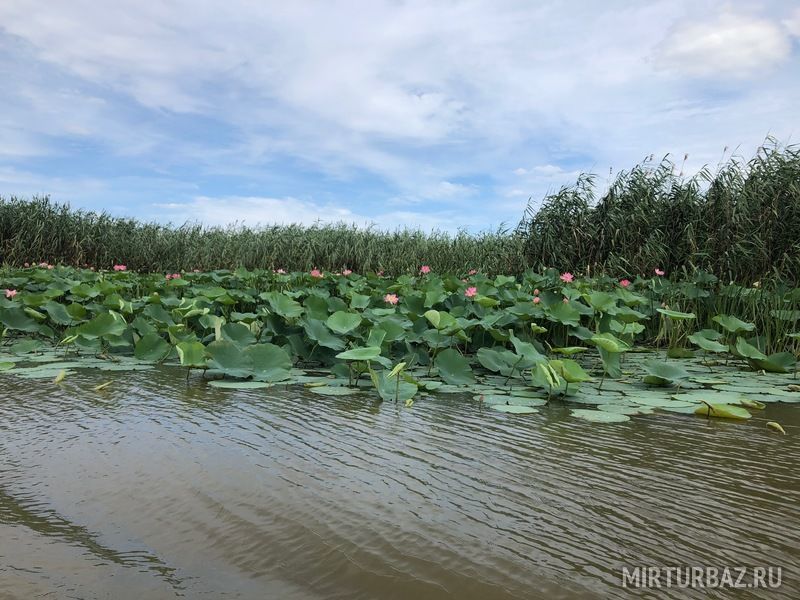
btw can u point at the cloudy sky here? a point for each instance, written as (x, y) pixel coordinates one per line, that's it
(439, 114)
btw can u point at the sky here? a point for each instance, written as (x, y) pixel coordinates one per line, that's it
(420, 113)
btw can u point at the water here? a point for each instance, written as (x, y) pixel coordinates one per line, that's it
(162, 488)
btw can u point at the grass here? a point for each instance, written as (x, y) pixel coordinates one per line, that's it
(740, 222)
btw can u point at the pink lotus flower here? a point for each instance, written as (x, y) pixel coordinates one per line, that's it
(659, 272)
(536, 292)
(168, 277)
(195, 270)
(120, 268)
(536, 299)
(624, 282)
(49, 266)
(346, 272)
(470, 292)
(11, 293)
(26, 265)
(391, 298)
(473, 271)
(173, 276)
(281, 272)
(316, 273)
(44, 265)
(380, 273)
(567, 277)
(566, 300)
(425, 269)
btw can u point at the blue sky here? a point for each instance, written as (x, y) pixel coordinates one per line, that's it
(421, 113)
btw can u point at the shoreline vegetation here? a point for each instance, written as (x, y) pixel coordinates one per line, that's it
(739, 222)
(620, 346)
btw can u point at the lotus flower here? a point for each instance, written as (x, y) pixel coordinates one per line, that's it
(566, 300)
(659, 272)
(567, 277)
(473, 271)
(470, 292)
(536, 292)
(346, 272)
(281, 272)
(120, 268)
(536, 299)
(26, 265)
(624, 282)
(316, 273)
(391, 298)
(380, 273)
(11, 293)
(425, 269)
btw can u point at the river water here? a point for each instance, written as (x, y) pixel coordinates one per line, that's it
(165, 488)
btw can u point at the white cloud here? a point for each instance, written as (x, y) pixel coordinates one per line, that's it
(724, 46)
(792, 23)
(254, 211)
(408, 99)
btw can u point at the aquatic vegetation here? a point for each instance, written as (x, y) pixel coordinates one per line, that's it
(513, 343)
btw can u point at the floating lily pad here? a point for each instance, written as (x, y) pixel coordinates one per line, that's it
(661, 402)
(723, 411)
(599, 416)
(239, 385)
(515, 409)
(625, 409)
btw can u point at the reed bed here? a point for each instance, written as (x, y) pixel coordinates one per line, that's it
(740, 222)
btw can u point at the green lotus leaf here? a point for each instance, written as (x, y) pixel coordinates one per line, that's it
(745, 350)
(103, 325)
(152, 348)
(317, 332)
(342, 322)
(239, 385)
(570, 371)
(625, 409)
(283, 305)
(664, 373)
(780, 362)
(732, 324)
(569, 350)
(707, 344)
(238, 333)
(366, 353)
(453, 368)
(599, 416)
(191, 354)
(675, 314)
(609, 342)
(269, 362)
(229, 359)
(16, 318)
(722, 411)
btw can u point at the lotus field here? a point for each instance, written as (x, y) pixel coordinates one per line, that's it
(607, 348)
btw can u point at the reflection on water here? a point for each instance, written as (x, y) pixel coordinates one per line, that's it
(162, 488)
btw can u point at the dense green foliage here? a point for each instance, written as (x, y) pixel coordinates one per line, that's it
(534, 339)
(41, 230)
(741, 223)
